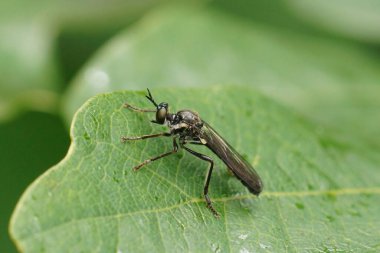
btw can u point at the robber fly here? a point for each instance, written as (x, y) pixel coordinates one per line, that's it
(188, 128)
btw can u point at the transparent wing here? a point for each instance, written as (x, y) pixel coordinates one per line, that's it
(237, 164)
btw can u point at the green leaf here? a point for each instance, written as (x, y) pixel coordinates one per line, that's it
(331, 82)
(93, 202)
(356, 19)
(77, 15)
(29, 75)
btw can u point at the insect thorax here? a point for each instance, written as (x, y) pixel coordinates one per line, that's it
(187, 124)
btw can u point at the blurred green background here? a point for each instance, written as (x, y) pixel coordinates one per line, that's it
(320, 58)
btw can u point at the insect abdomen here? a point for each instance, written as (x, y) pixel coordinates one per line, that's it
(235, 162)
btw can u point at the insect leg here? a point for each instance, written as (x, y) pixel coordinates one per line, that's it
(124, 139)
(175, 149)
(126, 105)
(229, 171)
(207, 182)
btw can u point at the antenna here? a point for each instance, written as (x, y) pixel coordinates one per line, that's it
(150, 97)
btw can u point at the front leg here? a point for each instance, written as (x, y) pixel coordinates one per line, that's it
(126, 105)
(175, 149)
(124, 138)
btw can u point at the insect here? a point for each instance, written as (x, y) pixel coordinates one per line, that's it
(188, 128)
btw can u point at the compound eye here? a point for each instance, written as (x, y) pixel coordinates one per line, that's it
(161, 115)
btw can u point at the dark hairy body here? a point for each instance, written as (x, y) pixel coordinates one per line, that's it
(188, 128)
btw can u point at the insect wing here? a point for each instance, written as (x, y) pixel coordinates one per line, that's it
(235, 162)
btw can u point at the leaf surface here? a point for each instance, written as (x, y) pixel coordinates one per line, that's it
(93, 202)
